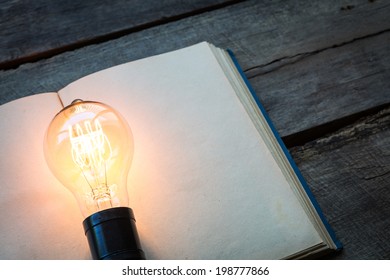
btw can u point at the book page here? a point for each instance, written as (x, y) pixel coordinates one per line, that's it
(39, 218)
(202, 184)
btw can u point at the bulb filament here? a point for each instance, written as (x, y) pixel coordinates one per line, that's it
(91, 151)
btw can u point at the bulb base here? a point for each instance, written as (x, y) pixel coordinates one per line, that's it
(112, 235)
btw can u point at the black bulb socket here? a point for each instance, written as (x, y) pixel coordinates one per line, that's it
(112, 235)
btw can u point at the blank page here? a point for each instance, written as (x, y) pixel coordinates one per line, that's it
(39, 218)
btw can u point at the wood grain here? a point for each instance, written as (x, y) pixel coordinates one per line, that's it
(261, 32)
(326, 86)
(349, 174)
(320, 75)
(34, 29)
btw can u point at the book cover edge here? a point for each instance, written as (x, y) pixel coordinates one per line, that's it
(309, 193)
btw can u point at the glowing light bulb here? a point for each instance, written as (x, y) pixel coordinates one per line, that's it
(89, 148)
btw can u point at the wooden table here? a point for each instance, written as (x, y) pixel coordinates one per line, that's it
(321, 69)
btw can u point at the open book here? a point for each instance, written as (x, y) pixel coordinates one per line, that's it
(210, 177)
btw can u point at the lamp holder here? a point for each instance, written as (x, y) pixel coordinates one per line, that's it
(112, 235)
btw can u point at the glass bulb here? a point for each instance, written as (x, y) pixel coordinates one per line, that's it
(89, 148)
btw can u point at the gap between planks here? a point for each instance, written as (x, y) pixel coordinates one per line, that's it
(311, 134)
(15, 63)
(277, 64)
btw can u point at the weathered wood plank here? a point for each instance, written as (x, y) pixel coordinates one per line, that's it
(349, 174)
(259, 34)
(33, 29)
(327, 86)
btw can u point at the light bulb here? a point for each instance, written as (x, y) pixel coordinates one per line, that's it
(89, 148)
